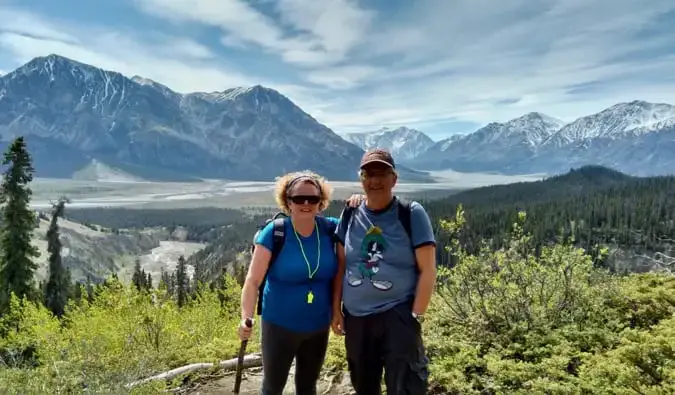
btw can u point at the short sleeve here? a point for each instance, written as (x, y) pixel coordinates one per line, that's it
(265, 236)
(421, 228)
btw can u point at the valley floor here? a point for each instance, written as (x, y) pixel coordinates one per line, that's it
(227, 194)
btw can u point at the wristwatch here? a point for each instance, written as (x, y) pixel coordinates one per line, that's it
(418, 317)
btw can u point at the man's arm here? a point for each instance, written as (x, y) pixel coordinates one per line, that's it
(424, 243)
(338, 280)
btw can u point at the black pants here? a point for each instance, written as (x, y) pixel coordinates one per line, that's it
(279, 347)
(390, 341)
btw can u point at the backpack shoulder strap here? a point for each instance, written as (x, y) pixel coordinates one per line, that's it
(404, 216)
(346, 214)
(327, 226)
(278, 237)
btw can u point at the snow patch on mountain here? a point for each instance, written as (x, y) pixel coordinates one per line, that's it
(404, 143)
(616, 122)
(99, 171)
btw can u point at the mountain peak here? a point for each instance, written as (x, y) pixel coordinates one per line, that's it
(622, 119)
(403, 142)
(538, 118)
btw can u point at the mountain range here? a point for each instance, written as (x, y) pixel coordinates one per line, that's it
(77, 118)
(636, 138)
(80, 121)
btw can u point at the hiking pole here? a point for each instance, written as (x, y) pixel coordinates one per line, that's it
(240, 359)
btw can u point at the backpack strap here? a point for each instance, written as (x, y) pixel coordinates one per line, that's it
(278, 237)
(346, 215)
(404, 217)
(328, 227)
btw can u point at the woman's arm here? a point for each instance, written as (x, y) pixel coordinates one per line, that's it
(256, 273)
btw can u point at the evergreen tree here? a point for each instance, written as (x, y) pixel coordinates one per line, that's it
(138, 278)
(182, 282)
(57, 287)
(148, 282)
(164, 280)
(18, 221)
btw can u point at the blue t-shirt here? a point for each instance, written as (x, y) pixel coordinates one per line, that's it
(285, 294)
(381, 269)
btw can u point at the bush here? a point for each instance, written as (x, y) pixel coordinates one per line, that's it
(515, 320)
(518, 320)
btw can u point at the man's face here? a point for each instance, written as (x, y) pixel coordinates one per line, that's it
(377, 179)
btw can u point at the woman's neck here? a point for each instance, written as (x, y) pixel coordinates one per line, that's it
(304, 226)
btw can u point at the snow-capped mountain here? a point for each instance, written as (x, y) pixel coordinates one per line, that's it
(72, 113)
(403, 143)
(636, 138)
(623, 120)
(494, 146)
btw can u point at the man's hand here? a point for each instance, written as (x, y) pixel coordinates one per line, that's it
(355, 200)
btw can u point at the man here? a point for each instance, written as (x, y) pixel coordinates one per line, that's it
(385, 282)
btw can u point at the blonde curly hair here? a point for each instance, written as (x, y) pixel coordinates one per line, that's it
(284, 182)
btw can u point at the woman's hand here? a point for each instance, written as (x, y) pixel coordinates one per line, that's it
(245, 329)
(355, 200)
(338, 323)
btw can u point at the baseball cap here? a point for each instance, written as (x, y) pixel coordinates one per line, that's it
(377, 155)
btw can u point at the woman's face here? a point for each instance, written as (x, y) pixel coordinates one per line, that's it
(304, 199)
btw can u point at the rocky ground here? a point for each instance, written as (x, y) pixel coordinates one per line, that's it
(252, 379)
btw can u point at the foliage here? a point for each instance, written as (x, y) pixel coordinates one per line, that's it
(514, 320)
(501, 321)
(122, 335)
(16, 229)
(58, 285)
(595, 208)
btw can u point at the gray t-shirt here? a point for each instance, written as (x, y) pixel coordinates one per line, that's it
(381, 271)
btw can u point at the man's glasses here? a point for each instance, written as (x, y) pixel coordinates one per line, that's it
(374, 174)
(309, 199)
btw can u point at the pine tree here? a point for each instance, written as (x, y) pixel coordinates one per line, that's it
(18, 221)
(138, 278)
(148, 282)
(182, 283)
(57, 287)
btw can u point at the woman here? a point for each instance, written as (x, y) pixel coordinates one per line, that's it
(297, 298)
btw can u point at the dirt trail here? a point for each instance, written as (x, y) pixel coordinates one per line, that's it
(252, 379)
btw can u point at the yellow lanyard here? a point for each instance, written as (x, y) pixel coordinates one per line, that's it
(318, 259)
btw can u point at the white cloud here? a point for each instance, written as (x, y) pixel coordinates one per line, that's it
(431, 61)
(182, 64)
(460, 60)
(327, 30)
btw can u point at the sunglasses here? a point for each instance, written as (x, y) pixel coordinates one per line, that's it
(301, 199)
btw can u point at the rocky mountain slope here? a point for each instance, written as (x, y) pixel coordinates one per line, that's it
(495, 146)
(72, 114)
(94, 252)
(404, 143)
(636, 138)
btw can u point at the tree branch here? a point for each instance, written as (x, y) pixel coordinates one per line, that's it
(250, 361)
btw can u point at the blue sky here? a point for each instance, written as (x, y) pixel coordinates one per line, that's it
(442, 66)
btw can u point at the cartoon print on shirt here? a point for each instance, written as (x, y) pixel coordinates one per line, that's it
(372, 250)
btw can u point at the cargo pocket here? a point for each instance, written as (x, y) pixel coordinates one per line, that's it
(418, 374)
